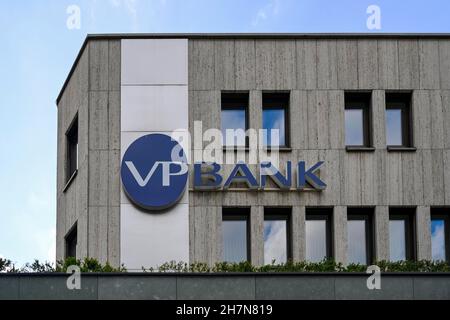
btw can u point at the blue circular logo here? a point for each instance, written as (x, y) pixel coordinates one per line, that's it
(154, 171)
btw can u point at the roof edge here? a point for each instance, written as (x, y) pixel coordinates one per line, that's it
(242, 36)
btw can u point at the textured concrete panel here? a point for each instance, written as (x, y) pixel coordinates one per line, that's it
(444, 63)
(408, 63)
(347, 64)
(224, 65)
(52, 287)
(381, 223)
(9, 288)
(423, 223)
(201, 64)
(265, 64)
(292, 288)
(137, 288)
(367, 64)
(435, 288)
(429, 64)
(388, 64)
(340, 234)
(98, 65)
(326, 64)
(244, 51)
(215, 287)
(355, 288)
(306, 64)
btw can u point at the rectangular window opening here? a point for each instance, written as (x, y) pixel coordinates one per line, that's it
(275, 118)
(318, 234)
(236, 234)
(398, 119)
(72, 149)
(71, 242)
(357, 119)
(277, 235)
(440, 234)
(402, 244)
(234, 118)
(360, 235)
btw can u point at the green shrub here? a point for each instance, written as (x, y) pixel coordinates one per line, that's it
(326, 265)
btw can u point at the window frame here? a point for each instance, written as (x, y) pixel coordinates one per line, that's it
(69, 173)
(233, 100)
(439, 214)
(327, 215)
(239, 214)
(408, 215)
(366, 214)
(353, 101)
(72, 233)
(401, 101)
(281, 214)
(271, 100)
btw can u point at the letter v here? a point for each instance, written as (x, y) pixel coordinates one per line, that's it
(141, 182)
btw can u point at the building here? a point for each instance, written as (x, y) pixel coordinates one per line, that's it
(374, 108)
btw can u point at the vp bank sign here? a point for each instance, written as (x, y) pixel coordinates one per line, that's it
(154, 173)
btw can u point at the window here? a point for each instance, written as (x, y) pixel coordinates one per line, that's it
(275, 119)
(398, 119)
(72, 149)
(440, 235)
(277, 236)
(360, 235)
(318, 234)
(71, 242)
(236, 235)
(357, 119)
(234, 116)
(401, 234)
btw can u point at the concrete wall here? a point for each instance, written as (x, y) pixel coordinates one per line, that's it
(316, 72)
(250, 286)
(92, 199)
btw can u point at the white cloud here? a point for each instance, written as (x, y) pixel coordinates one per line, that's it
(275, 243)
(269, 10)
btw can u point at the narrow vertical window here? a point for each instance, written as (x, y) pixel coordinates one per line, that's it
(234, 118)
(357, 119)
(360, 235)
(440, 236)
(318, 234)
(401, 234)
(275, 119)
(72, 149)
(277, 246)
(398, 119)
(235, 231)
(71, 242)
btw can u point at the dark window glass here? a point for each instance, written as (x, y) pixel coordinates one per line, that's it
(318, 234)
(277, 235)
(71, 242)
(72, 149)
(360, 235)
(357, 124)
(398, 119)
(275, 119)
(401, 234)
(235, 229)
(440, 237)
(234, 118)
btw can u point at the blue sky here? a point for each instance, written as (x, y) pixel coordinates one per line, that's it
(37, 50)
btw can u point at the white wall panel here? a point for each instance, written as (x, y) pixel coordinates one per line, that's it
(154, 62)
(154, 99)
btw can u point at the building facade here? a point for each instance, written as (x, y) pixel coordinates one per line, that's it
(375, 109)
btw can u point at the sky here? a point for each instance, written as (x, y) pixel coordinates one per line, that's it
(38, 49)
